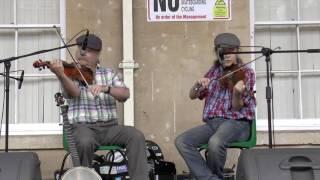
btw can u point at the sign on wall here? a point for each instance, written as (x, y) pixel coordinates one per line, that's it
(188, 10)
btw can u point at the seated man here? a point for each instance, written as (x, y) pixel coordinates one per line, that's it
(229, 108)
(92, 110)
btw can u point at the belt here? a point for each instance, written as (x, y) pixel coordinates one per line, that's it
(241, 119)
(97, 122)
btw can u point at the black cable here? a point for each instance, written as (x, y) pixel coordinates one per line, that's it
(272, 102)
(83, 30)
(4, 97)
(62, 165)
(272, 105)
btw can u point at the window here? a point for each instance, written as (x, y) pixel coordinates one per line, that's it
(27, 26)
(289, 24)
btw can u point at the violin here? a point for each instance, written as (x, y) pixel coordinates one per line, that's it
(70, 70)
(231, 76)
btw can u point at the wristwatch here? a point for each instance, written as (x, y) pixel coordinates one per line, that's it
(198, 85)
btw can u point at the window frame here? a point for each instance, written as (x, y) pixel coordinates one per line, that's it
(300, 124)
(34, 128)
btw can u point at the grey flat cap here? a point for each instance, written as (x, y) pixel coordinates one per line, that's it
(94, 42)
(226, 40)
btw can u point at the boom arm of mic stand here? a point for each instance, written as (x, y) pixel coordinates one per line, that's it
(270, 51)
(35, 53)
(313, 50)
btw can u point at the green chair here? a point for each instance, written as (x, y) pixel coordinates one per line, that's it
(250, 143)
(111, 148)
(103, 147)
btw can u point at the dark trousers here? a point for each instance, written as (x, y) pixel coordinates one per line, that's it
(89, 137)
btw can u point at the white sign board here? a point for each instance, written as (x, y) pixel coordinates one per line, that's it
(188, 10)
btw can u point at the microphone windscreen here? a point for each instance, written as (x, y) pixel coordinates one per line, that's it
(21, 80)
(220, 54)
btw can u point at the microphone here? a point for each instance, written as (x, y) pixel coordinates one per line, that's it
(220, 54)
(21, 79)
(84, 44)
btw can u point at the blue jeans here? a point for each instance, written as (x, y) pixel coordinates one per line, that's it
(219, 133)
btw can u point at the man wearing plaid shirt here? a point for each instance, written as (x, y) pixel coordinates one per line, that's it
(92, 110)
(227, 112)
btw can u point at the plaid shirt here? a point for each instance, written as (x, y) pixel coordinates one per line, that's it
(218, 100)
(87, 108)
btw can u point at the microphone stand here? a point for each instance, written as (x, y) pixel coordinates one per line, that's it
(267, 53)
(7, 64)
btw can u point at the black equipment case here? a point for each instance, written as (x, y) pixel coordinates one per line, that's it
(19, 166)
(279, 164)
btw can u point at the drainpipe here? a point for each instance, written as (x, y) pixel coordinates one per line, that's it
(128, 65)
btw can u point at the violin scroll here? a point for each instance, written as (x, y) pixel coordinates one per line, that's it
(41, 64)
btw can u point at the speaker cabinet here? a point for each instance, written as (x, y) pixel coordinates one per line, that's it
(19, 166)
(279, 164)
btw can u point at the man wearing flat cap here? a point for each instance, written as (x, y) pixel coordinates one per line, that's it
(92, 109)
(228, 111)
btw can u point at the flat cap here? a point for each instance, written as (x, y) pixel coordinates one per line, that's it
(94, 42)
(226, 40)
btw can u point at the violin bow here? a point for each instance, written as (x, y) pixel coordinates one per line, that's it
(241, 66)
(73, 59)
